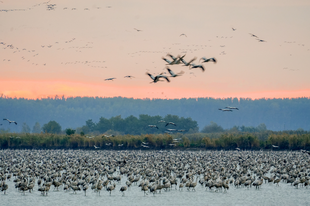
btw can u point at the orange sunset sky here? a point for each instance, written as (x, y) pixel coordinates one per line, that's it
(69, 47)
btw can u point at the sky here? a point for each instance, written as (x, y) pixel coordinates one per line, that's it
(69, 47)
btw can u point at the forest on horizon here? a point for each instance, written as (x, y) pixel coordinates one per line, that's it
(74, 112)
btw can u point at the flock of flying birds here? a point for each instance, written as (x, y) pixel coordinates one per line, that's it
(174, 61)
(179, 60)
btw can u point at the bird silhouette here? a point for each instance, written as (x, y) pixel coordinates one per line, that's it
(110, 79)
(173, 74)
(207, 60)
(157, 78)
(10, 121)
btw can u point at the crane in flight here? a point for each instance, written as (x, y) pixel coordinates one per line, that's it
(176, 60)
(110, 79)
(157, 78)
(129, 76)
(153, 126)
(168, 61)
(236, 108)
(226, 110)
(173, 74)
(193, 66)
(188, 63)
(10, 121)
(172, 123)
(208, 60)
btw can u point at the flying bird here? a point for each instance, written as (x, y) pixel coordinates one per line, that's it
(10, 121)
(172, 123)
(109, 79)
(176, 60)
(137, 29)
(168, 61)
(173, 74)
(232, 108)
(261, 40)
(188, 63)
(193, 66)
(208, 60)
(156, 78)
(274, 146)
(253, 35)
(226, 110)
(128, 76)
(153, 126)
(233, 29)
(96, 147)
(183, 35)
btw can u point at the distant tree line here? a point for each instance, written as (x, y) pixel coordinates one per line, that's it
(276, 114)
(142, 125)
(225, 141)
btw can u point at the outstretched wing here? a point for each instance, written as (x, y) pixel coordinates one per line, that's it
(169, 62)
(171, 72)
(150, 75)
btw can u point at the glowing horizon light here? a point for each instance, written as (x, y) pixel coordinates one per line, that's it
(61, 88)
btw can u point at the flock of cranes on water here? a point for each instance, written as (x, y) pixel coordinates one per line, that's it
(152, 171)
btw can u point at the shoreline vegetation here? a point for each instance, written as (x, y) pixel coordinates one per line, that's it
(202, 141)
